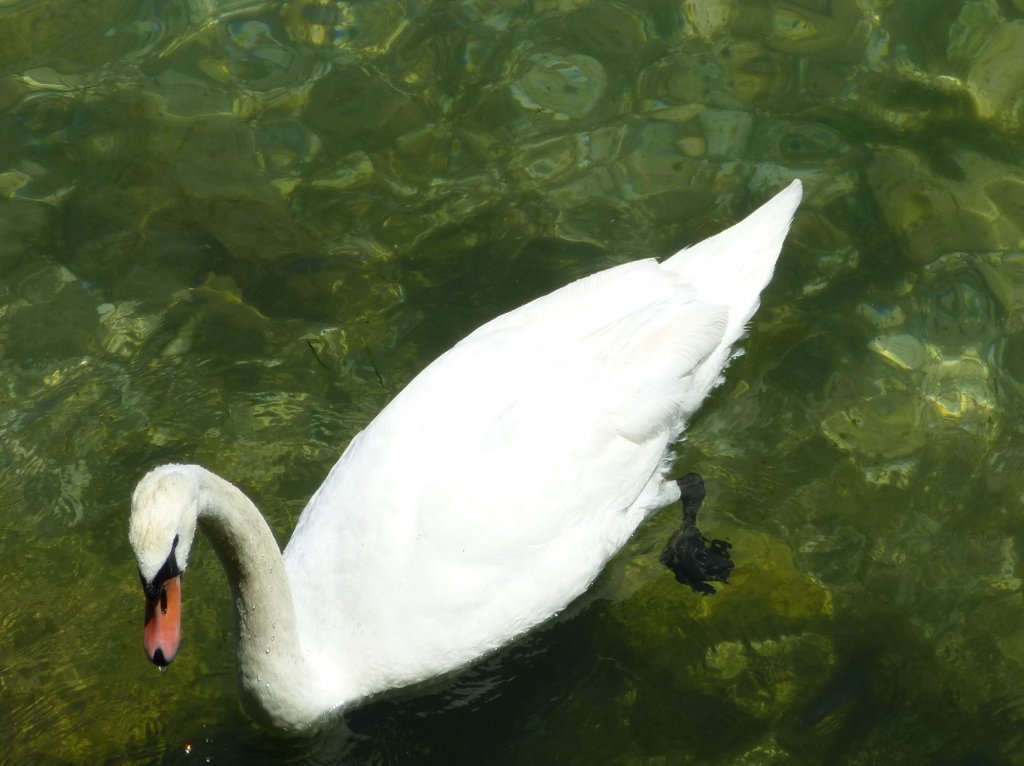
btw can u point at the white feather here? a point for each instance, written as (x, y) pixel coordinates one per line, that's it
(494, 488)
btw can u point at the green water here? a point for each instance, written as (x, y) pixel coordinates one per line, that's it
(231, 231)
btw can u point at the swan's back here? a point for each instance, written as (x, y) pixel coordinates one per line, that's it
(495, 487)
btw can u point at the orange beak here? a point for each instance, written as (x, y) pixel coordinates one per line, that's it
(162, 632)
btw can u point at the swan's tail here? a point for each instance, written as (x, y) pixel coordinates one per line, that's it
(733, 267)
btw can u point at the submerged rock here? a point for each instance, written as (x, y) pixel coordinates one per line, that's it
(992, 49)
(935, 214)
(759, 644)
(562, 86)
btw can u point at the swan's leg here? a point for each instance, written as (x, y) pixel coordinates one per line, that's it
(694, 559)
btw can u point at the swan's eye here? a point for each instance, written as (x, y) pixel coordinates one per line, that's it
(170, 568)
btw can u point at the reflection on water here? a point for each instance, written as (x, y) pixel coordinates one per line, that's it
(231, 231)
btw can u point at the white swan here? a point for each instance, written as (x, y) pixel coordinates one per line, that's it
(482, 500)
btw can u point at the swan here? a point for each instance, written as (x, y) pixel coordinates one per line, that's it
(483, 499)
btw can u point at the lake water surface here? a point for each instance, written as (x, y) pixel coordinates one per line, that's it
(231, 231)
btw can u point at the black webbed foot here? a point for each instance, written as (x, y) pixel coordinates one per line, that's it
(694, 559)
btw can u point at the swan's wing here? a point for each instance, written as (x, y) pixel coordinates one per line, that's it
(735, 265)
(493, 489)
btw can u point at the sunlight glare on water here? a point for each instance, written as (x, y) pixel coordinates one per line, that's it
(231, 231)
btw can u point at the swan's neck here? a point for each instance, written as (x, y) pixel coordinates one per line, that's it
(275, 675)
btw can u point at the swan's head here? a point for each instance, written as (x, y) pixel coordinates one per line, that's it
(162, 525)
